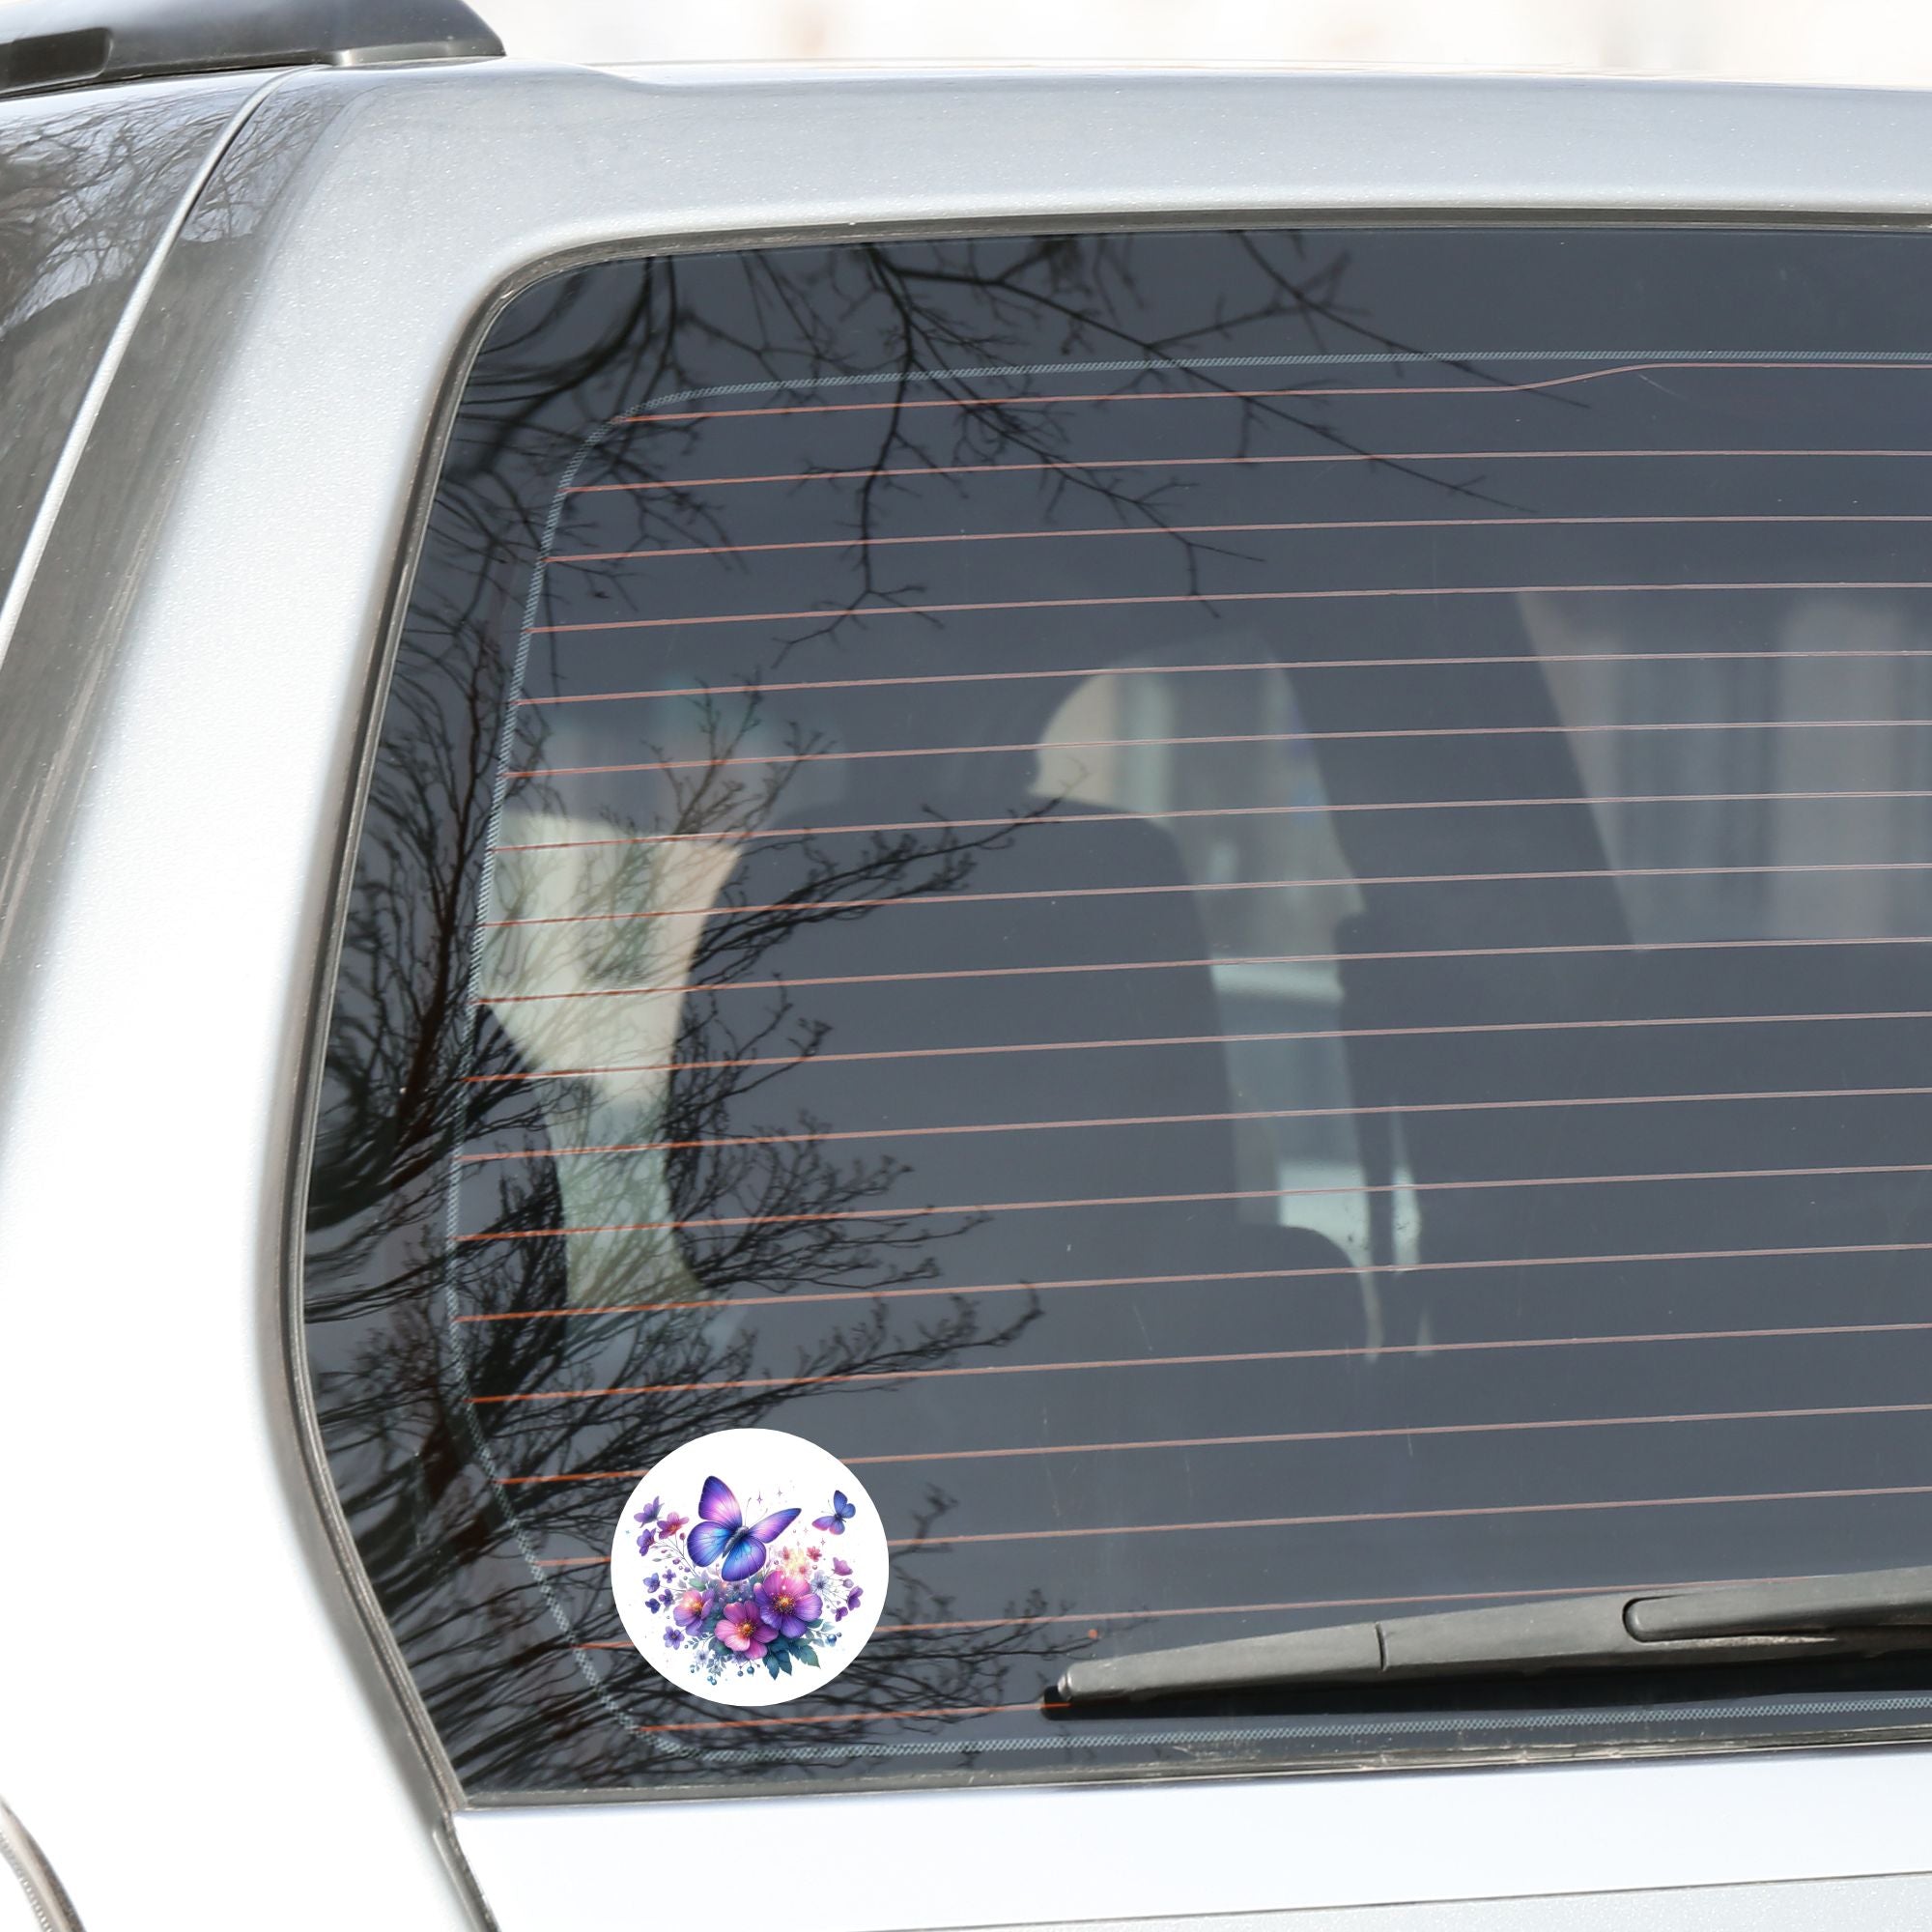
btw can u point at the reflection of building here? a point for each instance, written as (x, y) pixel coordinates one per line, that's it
(1848, 659)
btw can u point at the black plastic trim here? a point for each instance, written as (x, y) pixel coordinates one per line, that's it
(60, 43)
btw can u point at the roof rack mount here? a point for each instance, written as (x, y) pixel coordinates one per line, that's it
(58, 43)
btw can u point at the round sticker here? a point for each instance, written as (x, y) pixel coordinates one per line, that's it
(749, 1567)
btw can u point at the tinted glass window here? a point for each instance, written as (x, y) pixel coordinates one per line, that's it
(1248, 913)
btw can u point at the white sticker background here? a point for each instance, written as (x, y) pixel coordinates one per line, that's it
(807, 1601)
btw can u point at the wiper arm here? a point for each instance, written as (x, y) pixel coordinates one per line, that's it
(1870, 1611)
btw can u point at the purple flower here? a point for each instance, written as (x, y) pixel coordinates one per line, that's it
(651, 1605)
(672, 1639)
(852, 1597)
(788, 1601)
(743, 1629)
(693, 1607)
(653, 1580)
(644, 1542)
(671, 1523)
(649, 1512)
(841, 1568)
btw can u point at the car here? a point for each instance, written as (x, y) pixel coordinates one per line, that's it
(829, 1083)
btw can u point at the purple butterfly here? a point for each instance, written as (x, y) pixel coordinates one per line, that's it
(723, 1532)
(842, 1513)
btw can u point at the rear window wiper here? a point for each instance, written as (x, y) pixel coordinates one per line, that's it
(1860, 1614)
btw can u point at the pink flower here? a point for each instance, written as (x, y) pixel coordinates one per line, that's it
(670, 1523)
(693, 1606)
(789, 1602)
(743, 1629)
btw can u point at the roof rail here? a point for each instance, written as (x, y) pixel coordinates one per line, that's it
(56, 43)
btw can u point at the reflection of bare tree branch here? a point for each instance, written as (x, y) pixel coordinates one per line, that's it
(1064, 283)
(655, 343)
(86, 185)
(628, 1223)
(394, 1384)
(63, 178)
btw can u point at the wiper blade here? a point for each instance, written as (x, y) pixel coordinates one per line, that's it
(1860, 1614)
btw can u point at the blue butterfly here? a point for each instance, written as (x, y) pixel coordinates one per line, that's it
(723, 1533)
(842, 1513)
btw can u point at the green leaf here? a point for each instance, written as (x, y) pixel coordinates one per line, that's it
(804, 1651)
(784, 1656)
(772, 1661)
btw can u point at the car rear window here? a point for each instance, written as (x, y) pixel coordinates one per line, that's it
(1247, 913)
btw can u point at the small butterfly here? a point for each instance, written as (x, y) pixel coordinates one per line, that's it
(723, 1533)
(842, 1513)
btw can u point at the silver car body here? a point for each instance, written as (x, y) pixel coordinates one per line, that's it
(202, 1720)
